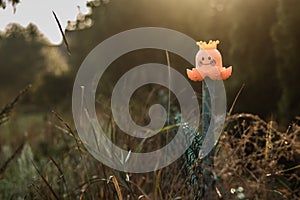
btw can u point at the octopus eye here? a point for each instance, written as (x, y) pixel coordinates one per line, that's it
(209, 58)
(202, 58)
(213, 63)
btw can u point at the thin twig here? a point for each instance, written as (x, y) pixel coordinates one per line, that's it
(45, 181)
(140, 189)
(68, 128)
(61, 174)
(169, 82)
(289, 169)
(18, 151)
(235, 99)
(5, 112)
(117, 187)
(62, 32)
(157, 186)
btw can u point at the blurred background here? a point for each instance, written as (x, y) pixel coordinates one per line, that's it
(260, 39)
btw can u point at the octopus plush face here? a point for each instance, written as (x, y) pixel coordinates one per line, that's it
(205, 58)
(209, 63)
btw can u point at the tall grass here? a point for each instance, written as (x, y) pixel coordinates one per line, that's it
(253, 160)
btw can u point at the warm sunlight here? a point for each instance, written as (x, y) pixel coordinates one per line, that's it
(150, 99)
(39, 12)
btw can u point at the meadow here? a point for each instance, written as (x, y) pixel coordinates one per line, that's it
(257, 155)
(45, 159)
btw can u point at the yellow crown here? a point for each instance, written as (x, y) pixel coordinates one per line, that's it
(210, 45)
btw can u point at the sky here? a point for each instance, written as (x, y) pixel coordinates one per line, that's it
(39, 12)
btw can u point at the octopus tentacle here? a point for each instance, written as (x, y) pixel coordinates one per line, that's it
(226, 73)
(194, 75)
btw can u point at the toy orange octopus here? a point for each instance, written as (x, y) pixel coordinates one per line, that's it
(209, 63)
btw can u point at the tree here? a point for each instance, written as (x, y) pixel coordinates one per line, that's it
(286, 40)
(20, 56)
(252, 55)
(26, 57)
(12, 2)
(190, 17)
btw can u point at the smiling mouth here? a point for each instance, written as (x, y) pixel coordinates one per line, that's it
(213, 63)
(204, 63)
